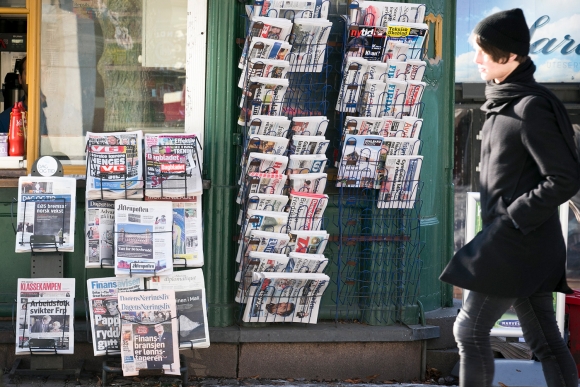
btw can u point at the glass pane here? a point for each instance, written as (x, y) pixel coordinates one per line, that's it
(13, 3)
(110, 65)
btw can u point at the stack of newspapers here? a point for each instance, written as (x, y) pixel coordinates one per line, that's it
(282, 180)
(381, 92)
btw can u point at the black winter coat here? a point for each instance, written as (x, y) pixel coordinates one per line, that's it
(527, 170)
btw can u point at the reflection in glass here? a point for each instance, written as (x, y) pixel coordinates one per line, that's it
(13, 3)
(94, 75)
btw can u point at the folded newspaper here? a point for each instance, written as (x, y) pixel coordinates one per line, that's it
(143, 238)
(306, 211)
(45, 213)
(309, 37)
(261, 183)
(114, 166)
(187, 233)
(190, 298)
(307, 241)
(285, 297)
(291, 9)
(263, 202)
(401, 182)
(263, 241)
(268, 125)
(307, 183)
(306, 164)
(173, 166)
(257, 262)
(309, 125)
(149, 332)
(306, 263)
(103, 296)
(99, 231)
(45, 310)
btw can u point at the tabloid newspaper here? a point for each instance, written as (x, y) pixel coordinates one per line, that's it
(269, 125)
(265, 68)
(149, 332)
(264, 48)
(263, 241)
(143, 238)
(103, 296)
(306, 211)
(363, 125)
(415, 70)
(413, 34)
(413, 96)
(306, 164)
(378, 13)
(309, 37)
(262, 96)
(306, 263)
(292, 9)
(114, 166)
(263, 163)
(395, 50)
(264, 183)
(392, 101)
(351, 85)
(401, 182)
(45, 310)
(307, 182)
(257, 262)
(308, 242)
(173, 169)
(46, 206)
(308, 145)
(187, 233)
(395, 146)
(285, 297)
(375, 70)
(264, 221)
(309, 126)
(359, 161)
(373, 98)
(397, 69)
(407, 127)
(263, 202)
(99, 231)
(189, 289)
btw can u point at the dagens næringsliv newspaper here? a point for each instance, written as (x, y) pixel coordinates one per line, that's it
(173, 167)
(103, 294)
(189, 289)
(149, 332)
(46, 206)
(114, 165)
(99, 231)
(143, 237)
(45, 310)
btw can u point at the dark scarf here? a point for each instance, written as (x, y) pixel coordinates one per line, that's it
(521, 83)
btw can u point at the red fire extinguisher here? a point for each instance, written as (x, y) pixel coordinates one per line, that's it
(16, 133)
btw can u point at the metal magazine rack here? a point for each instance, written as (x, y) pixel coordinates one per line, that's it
(305, 95)
(374, 217)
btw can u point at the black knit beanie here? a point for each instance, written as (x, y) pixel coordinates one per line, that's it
(506, 30)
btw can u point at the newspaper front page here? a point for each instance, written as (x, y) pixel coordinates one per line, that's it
(103, 295)
(46, 206)
(99, 229)
(149, 332)
(45, 310)
(143, 238)
(189, 289)
(187, 233)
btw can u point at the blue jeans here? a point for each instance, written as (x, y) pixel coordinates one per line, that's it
(538, 322)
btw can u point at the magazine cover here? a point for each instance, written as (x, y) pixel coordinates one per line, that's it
(401, 182)
(306, 211)
(257, 262)
(292, 9)
(366, 41)
(413, 34)
(306, 164)
(46, 207)
(104, 311)
(45, 310)
(143, 238)
(188, 233)
(173, 166)
(99, 229)
(190, 298)
(285, 297)
(149, 332)
(308, 242)
(114, 165)
(269, 125)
